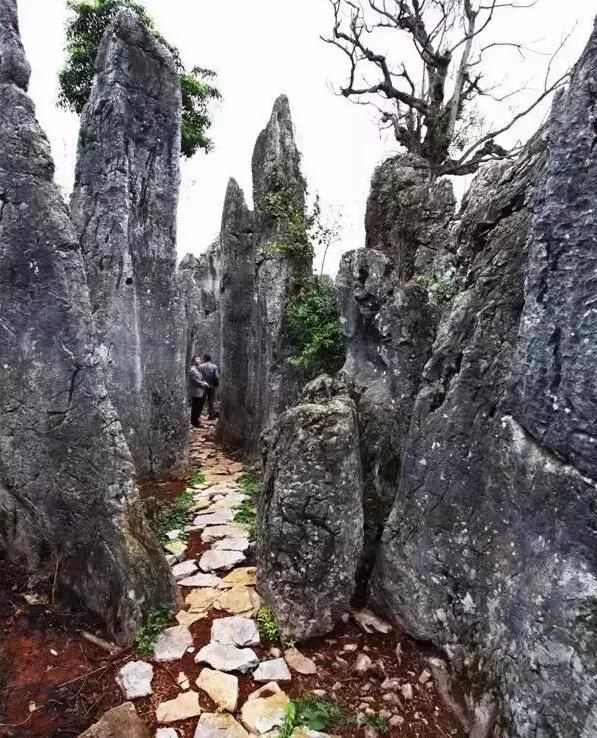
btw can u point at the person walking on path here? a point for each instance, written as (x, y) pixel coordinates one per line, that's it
(198, 389)
(211, 375)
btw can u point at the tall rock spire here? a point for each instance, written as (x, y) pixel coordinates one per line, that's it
(124, 207)
(274, 249)
(67, 487)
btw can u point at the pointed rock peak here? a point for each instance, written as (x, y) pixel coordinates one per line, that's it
(234, 203)
(128, 28)
(14, 67)
(276, 159)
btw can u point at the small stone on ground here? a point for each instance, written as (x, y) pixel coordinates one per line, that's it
(184, 569)
(246, 575)
(134, 679)
(202, 580)
(299, 663)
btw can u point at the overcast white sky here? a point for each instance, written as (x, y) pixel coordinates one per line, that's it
(260, 48)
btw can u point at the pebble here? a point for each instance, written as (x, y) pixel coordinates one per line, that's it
(299, 663)
(425, 676)
(407, 691)
(362, 664)
(134, 679)
(166, 733)
(396, 721)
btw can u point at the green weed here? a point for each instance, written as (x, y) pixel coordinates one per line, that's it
(268, 627)
(156, 623)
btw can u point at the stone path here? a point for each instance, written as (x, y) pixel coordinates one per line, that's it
(224, 681)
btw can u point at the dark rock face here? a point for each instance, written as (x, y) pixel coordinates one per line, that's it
(124, 208)
(237, 288)
(490, 550)
(66, 475)
(259, 273)
(408, 216)
(389, 332)
(311, 511)
(200, 290)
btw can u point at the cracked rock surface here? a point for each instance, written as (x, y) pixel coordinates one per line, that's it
(124, 206)
(490, 546)
(311, 512)
(66, 477)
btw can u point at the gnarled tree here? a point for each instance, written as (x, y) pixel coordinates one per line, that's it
(428, 91)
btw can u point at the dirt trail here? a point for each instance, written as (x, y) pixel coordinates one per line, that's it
(54, 683)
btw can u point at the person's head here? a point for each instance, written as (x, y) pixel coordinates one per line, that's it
(206, 357)
(196, 360)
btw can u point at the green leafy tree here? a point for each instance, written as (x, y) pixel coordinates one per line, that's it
(85, 28)
(313, 322)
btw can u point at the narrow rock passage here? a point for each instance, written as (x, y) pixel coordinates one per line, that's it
(213, 671)
(235, 681)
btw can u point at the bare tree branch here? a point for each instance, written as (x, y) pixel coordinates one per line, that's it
(444, 41)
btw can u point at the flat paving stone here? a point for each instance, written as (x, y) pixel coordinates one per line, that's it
(246, 575)
(221, 517)
(188, 618)
(183, 707)
(235, 630)
(200, 600)
(275, 670)
(172, 644)
(236, 601)
(265, 709)
(221, 687)
(184, 569)
(202, 580)
(218, 560)
(227, 657)
(231, 544)
(216, 532)
(216, 725)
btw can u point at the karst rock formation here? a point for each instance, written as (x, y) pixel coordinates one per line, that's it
(67, 493)
(199, 278)
(259, 271)
(311, 512)
(489, 404)
(124, 207)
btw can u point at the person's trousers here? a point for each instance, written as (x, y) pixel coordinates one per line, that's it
(197, 404)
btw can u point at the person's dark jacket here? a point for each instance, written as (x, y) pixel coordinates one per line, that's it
(210, 373)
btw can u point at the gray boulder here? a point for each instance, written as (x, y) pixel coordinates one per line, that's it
(310, 521)
(408, 215)
(389, 332)
(124, 208)
(66, 476)
(490, 549)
